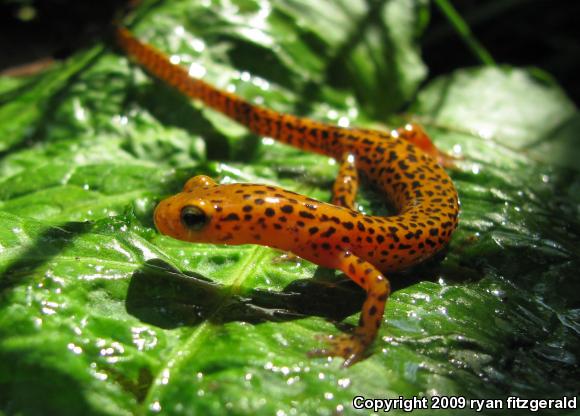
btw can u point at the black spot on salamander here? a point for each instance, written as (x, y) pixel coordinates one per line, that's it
(259, 201)
(277, 226)
(270, 212)
(247, 217)
(348, 225)
(305, 214)
(360, 226)
(231, 217)
(345, 239)
(247, 208)
(313, 230)
(287, 209)
(328, 232)
(300, 223)
(326, 246)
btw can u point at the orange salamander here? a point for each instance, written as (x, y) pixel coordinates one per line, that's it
(332, 235)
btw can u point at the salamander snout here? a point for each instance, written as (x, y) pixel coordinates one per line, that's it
(186, 216)
(182, 217)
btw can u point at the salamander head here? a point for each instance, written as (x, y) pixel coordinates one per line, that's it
(188, 215)
(212, 213)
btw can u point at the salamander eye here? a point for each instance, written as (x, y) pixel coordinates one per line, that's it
(193, 217)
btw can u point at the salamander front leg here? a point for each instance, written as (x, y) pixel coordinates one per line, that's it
(346, 184)
(353, 347)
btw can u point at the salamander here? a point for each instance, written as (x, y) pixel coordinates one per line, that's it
(401, 164)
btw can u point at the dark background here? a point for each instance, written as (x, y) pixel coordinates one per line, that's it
(539, 33)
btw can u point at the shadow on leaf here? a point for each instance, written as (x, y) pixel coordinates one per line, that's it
(49, 243)
(163, 296)
(160, 295)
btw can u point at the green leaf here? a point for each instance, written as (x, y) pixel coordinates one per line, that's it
(100, 314)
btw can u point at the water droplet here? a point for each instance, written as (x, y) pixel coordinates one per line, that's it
(197, 70)
(332, 114)
(343, 122)
(198, 45)
(74, 348)
(165, 376)
(155, 406)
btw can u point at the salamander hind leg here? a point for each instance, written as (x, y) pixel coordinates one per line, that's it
(353, 347)
(416, 135)
(346, 184)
